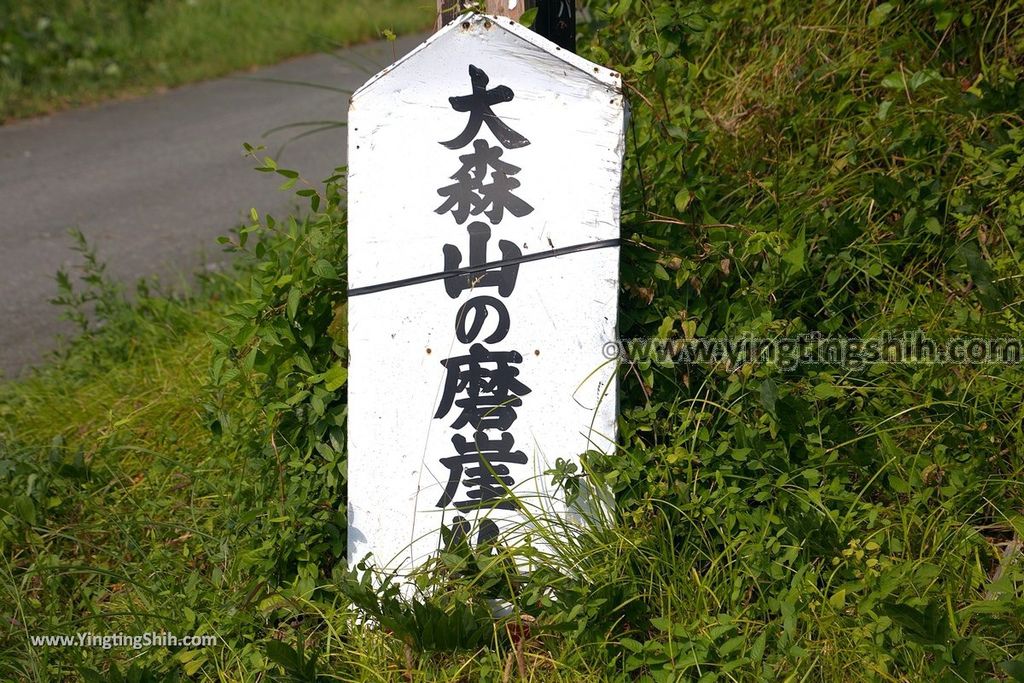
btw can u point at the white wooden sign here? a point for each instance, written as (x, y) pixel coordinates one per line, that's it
(484, 172)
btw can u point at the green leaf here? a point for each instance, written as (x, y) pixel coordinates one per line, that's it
(317, 404)
(883, 110)
(827, 391)
(1014, 669)
(663, 624)
(294, 296)
(795, 256)
(335, 377)
(878, 14)
(943, 19)
(757, 651)
(529, 16)
(665, 329)
(297, 397)
(324, 269)
(283, 655)
(731, 645)
(92, 676)
(893, 81)
(682, 200)
(632, 645)
(923, 77)
(769, 394)
(927, 627)
(192, 667)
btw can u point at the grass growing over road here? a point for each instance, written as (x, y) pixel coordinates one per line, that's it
(60, 53)
(842, 169)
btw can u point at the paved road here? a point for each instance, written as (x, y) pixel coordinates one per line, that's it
(152, 182)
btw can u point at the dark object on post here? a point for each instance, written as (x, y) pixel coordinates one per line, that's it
(556, 21)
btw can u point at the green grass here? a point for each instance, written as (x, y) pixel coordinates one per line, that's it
(107, 458)
(838, 168)
(61, 53)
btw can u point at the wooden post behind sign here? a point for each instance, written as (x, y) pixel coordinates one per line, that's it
(447, 10)
(555, 20)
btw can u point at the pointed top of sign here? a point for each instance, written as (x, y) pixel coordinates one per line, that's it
(483, 26)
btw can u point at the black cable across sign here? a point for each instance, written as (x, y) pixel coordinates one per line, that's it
(491, 265)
